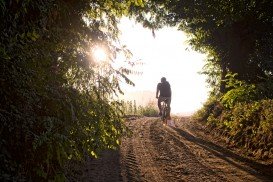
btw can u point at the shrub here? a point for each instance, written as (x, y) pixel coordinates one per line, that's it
(248, 124)
(239, 91)
(149, 110)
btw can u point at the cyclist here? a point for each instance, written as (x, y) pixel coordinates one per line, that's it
(165, 93)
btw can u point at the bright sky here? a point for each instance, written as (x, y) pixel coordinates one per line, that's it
(166, 55)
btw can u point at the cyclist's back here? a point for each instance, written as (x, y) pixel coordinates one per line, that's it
(165, 89)
(165, 93)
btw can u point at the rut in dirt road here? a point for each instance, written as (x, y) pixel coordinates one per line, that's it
(160, 153)
(132, 172)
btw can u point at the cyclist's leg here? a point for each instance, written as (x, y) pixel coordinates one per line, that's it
(169, 99)
(164, 113)
(159, 105)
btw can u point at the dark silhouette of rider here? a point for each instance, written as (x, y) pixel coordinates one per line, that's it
(165, 93)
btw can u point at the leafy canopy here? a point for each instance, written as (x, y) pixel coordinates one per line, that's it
(237, 35)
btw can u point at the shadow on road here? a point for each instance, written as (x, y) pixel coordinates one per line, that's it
(230, 157)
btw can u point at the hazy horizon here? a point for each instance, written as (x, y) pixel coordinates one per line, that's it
(167, 54)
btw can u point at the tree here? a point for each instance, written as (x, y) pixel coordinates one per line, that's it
(52, 108)
(237, 35)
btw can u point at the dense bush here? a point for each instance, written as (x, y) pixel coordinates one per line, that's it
(56, 101)
(239, 91)
(247, 124)
(244, 113)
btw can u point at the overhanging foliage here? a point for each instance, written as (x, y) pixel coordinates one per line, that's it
(56, 101)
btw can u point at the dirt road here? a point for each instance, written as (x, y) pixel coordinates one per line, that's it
(161, 153)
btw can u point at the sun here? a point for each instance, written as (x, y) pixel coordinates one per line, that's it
(99, 54)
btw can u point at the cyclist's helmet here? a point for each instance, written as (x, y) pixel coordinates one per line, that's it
(163, 79)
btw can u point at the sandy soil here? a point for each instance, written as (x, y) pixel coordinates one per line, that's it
(161, 153)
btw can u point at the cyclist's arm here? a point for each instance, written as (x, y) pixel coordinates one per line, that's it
(157, 91)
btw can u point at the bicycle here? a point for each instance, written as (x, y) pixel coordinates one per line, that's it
(165, 111)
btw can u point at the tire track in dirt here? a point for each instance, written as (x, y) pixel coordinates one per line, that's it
(148, 151)
(140, 146)
(181, 164)
(224, 163)
(132, 172)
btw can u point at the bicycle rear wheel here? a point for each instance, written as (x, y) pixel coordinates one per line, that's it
(164, 114)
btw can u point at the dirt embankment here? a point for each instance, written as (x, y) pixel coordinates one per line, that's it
(161, 153)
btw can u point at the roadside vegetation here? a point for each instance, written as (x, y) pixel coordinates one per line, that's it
(245, 116)
(130, 108)
(57, 101)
